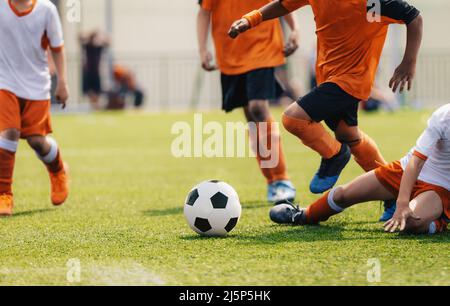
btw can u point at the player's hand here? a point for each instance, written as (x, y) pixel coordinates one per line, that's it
(62, 94)
(401, 217)
(403, 76)
(238, 27)
(207, 58)
(293, 44)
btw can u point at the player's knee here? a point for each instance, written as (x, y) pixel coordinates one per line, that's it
(348, 137)
(10, 134)
(259, 112)
(37, 143)
(339, 195)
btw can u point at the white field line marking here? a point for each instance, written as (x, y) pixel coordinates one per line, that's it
(127, 274)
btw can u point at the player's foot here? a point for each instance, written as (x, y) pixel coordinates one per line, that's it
(281, 190)
(59, 186)
(389, 210)
(330, 170)
(6, 205)
(285, 212)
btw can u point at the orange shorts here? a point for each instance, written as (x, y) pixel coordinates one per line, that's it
(29, 117)
(391, 176)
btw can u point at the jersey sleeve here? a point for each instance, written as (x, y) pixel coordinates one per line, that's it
(397, 11)
(54, 30)
(292, 5)
(428, 140)
(206, 4)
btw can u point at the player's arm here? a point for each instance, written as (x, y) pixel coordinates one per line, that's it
(273, 10)
(62, 89)
(399, 11)
(203, 25)
(403, 212)
(56, 40)
(294, 37)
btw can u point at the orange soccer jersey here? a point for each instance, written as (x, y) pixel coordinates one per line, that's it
(261, 47)
(351, 36)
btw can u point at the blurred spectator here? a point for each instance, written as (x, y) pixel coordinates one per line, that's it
(93, 45)
(125, 86)
(312, 61)
(380, 99)
(288, 89)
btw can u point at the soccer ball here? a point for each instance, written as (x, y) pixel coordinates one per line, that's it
(212, 209)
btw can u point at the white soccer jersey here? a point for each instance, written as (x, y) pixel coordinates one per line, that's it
(434, 147)
(24, 40)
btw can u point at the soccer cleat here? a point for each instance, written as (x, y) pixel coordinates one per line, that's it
(284, 212)
(281, 190)
(59, 186)
(6, 205)
(330, 170)
(389, 210)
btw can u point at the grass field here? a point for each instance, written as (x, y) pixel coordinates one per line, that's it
(124, 221)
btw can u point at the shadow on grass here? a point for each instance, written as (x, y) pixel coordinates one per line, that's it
(179, 210)
(32, 212)
(331, 233)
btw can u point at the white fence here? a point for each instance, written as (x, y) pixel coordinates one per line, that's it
(174, 82)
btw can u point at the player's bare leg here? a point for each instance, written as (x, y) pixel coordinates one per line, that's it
(364, 189)
(9, 140)
(47, 150)
(427, 206)
(279, 185)
(366, 154)
(335, 156)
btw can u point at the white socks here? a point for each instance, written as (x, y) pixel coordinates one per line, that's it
(51, 156)
(332, 203)
(8, 145)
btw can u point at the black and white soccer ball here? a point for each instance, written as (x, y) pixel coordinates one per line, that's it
(212, 208)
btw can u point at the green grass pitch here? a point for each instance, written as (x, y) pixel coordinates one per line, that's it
(124, 220)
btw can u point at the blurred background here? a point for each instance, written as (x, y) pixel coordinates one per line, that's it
(146, 55)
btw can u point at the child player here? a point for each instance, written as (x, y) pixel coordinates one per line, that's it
(351, 35)
(28, 28)
(248, 81)
(420, 182)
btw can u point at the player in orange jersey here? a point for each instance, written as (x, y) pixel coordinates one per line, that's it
(28, 28)
(351, 35)
(247, 75)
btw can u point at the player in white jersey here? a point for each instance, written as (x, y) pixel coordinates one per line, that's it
(420, 182)
(29, 29)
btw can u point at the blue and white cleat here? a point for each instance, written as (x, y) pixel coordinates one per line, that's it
(330, 170)
(281, 190)
(284, 212)
(389, 210)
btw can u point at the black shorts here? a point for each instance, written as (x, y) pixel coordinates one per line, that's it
(331, 104)
(91, 83)
(238, 90)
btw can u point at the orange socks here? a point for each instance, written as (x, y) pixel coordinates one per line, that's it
(367, 154)
(270, 159)
(323, 209)
(313, 135)
(7, 159)
(53, 160)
